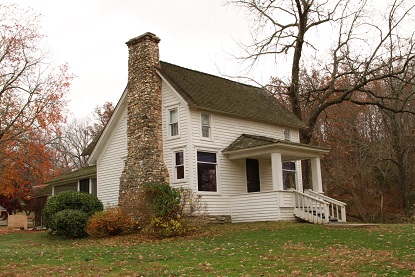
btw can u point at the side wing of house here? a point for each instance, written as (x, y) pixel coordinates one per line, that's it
(83, 180)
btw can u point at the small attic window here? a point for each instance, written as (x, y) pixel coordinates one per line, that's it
(287, 134)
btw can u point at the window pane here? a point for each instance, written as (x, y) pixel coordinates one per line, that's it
(173, 116)
(288, 165)
(287, 134)
(94, 187)
(206, 157)
(179, 158)
(288, 179)
(174, 129)
(180, 172)
(206, 174)
(84, 185)
(205, 131)
(205, 119)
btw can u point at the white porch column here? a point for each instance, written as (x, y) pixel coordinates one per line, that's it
(276, 165)
(316, 175)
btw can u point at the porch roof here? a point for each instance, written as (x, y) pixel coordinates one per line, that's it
(246, 146)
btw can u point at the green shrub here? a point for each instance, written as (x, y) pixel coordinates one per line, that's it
(164, 201)
(113, 221)
(165, 211)
(70, 223)
(71, 200)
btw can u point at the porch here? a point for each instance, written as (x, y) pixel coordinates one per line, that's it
(286, 205)
(285, 199)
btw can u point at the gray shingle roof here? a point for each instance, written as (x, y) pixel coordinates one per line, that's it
(210, 92)
(77, 174)
(246, 141)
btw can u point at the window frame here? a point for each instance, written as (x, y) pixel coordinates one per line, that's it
(176, 166)
(286, 171)
(84, 184)
(171, 124)
(209, 126)
(217, 174)
(287, 134)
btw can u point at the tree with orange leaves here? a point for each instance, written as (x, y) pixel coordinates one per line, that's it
(32, 101)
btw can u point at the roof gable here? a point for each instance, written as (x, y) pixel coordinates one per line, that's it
(214, 93)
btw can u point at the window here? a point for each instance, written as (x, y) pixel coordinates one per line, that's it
(173, 122)
(179, 165)
(205, 125)
(288, 175)
(94, 186)
(287, 134)
(206, 171)
(84, 185)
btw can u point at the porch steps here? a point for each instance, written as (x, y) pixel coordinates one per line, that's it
(318, 209)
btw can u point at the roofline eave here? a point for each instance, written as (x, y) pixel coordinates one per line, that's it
(302, 152)
(72, 179)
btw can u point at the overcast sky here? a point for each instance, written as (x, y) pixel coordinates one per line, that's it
(90, 36)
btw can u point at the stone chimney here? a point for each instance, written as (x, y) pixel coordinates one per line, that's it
(144, 126)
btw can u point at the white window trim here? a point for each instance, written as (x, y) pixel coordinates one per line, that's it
(218, 180)
(185, 179)
(210, 138)
(295, 174)
(168, 109)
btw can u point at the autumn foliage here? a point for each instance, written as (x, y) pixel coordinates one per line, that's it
(32, 101)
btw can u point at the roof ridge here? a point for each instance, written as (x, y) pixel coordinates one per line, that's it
(215, 76)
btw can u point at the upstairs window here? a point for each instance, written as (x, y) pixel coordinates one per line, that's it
(206, 171)
(287, 134)
(205, 125)
(288, 175)
(173, 122)
(179, 165)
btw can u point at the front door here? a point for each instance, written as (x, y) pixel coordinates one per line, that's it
(252, 175)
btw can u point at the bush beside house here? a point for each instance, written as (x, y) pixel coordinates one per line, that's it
(66, 214)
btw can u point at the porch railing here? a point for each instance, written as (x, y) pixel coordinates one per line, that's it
(310, 208)
(337, 209)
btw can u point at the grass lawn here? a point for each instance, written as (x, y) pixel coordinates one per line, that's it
(254, 249)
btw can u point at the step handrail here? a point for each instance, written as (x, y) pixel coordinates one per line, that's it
(310, 208)
(335, 205)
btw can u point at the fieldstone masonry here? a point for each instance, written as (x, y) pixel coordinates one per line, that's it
(144, 126)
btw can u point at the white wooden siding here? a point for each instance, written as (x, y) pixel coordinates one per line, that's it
(171, 145)
(231, 173)
(263, 206)
(110, 163)
(256, 206)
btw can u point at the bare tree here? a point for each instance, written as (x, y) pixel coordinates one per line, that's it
(78, 135)
(363, 49)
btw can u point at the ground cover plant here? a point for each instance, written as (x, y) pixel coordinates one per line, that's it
(250, 249)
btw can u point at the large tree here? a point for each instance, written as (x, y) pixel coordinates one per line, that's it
(350, 45)
(32, 101)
